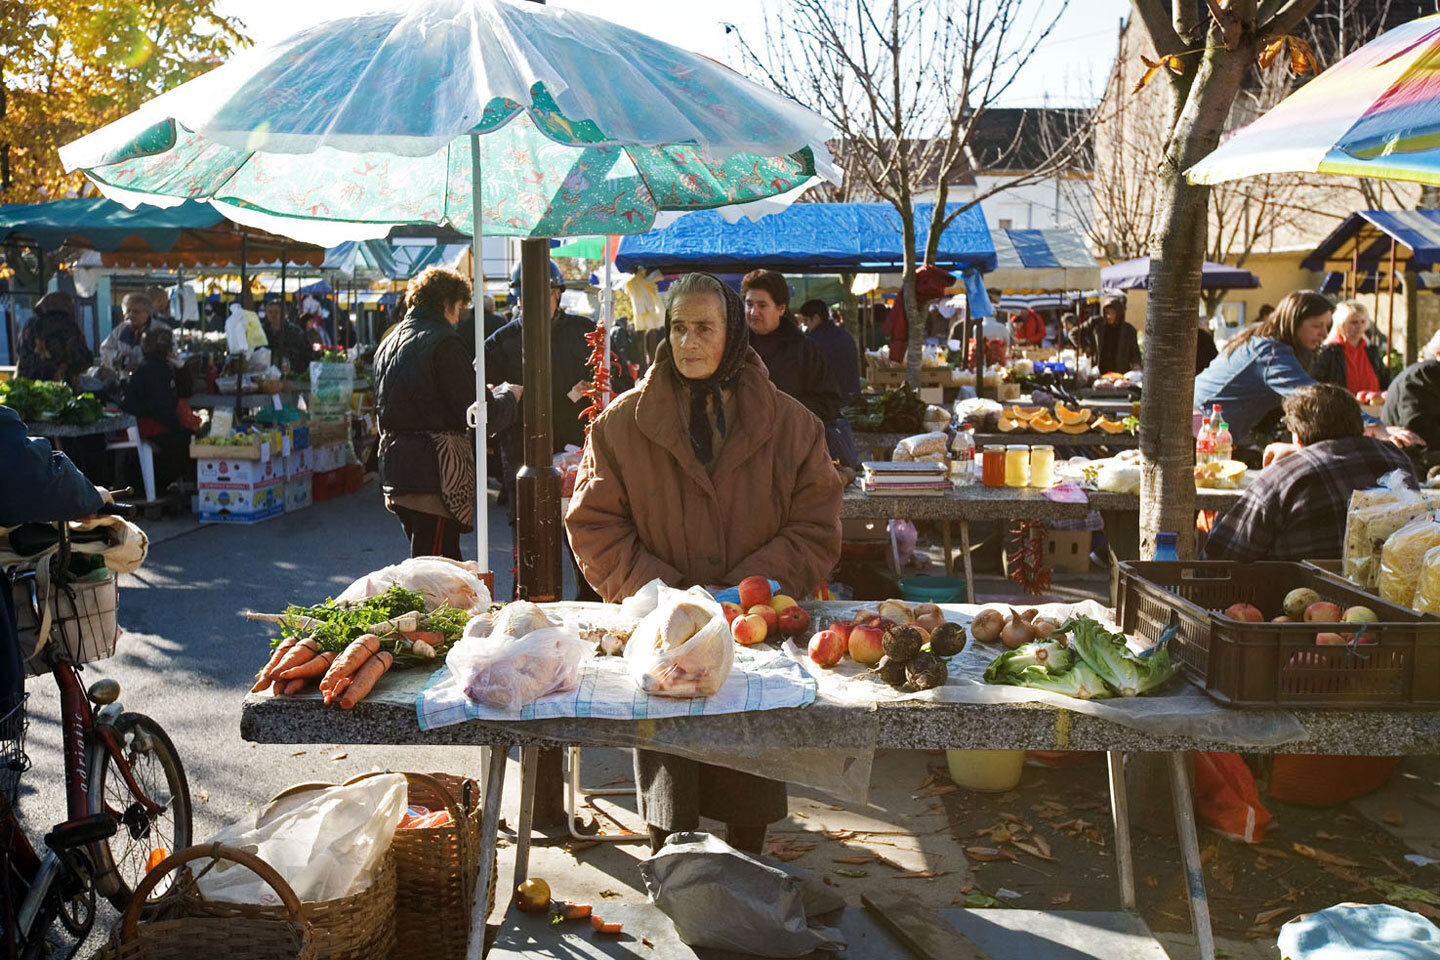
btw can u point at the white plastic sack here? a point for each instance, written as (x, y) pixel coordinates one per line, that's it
(326, 844)
(683, 648)
(722, 898)
(507, 672)
(440, 579)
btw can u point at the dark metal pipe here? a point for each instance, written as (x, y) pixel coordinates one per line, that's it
(537, 485)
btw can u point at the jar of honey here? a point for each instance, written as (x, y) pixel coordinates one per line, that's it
(992, 465)
(1017, 465)
(1042, 466)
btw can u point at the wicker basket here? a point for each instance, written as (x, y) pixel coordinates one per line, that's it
(435, 871)
(172, 930)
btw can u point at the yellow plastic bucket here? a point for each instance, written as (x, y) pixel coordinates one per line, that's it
(988, 771)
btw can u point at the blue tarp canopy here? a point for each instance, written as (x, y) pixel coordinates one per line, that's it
(1135, 275)
(391, 259)
(1052, 259)
(191, 234)
(1376, 231)
(805, 238)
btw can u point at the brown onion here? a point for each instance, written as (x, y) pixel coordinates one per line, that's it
(1017, 632)
(1045, 626)
(987, 625)
(930, 620)
(1028, 615)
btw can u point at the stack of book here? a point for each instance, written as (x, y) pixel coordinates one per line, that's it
(896, 479)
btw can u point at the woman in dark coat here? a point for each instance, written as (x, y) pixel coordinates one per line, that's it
(51, 345)
(1110, 339)
(1347, 358)
(424, 384)
(153, 396)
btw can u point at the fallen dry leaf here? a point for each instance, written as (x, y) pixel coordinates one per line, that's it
(1032, 849)
(984, 854)
(1322, 835)
(935, 791)
(1042, 843)
(856, 859)
(298, 753)
(1060, 899)
(608, 894)
(340, 756)
(919, 874)
(646, 941)
(1151, 882)
(1396, 818)
(1265, 916)
(852, 873)
(1324, 856)
(1223, 873)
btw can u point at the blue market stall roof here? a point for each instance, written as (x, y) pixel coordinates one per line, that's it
(188, 235)
(390, 259)
(1376, 231)
(1052, 259)
(1135, 275)
(805, 238)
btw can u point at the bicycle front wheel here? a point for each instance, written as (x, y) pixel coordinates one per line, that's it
(143, 838)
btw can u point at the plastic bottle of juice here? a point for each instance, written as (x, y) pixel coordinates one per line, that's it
(1204, 443)
(1224, 443)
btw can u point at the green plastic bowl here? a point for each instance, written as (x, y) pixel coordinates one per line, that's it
(932, 589)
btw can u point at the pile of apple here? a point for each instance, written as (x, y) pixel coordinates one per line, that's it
(761, 615)
(1303, 605)
(892, 639)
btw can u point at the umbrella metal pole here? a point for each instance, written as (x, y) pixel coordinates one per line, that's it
(537, 485)
(477, 274)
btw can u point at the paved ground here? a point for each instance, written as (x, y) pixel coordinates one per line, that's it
(188, 655)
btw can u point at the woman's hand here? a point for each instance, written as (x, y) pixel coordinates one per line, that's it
(1396, 435)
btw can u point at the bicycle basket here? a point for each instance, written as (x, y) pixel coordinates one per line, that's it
(82, 619)
(13, 761)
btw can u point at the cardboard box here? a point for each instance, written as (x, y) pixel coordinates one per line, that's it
(210, 516)
(222, 499)
(200, 450)
(298, 493)
(232, 472)
(1068, 551)
(329, 457)
(298, 463)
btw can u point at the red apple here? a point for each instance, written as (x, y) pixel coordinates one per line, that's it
(794, 621)
(754, 591)
(1244, 611)
(866, 644)
(842, 627)
(865, 616)
(732, 610)
(780, 602)
(1323, 612)
(771, 618)
(1367, 638)
(1330, 640)
(749, 629)
(826, 648)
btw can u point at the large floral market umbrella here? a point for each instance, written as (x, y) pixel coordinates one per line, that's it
(1376, 113)
(570, 125)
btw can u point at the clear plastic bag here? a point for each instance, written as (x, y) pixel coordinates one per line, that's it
(1427, 588)
(1372, 517)
(507, 672)
(1403, 556)
(683, 648)
(441, 580)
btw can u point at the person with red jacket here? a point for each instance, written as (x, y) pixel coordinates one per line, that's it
(1028, 328)
(930, 283)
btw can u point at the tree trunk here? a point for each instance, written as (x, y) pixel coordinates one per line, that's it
(1167, 486)
(909, 298)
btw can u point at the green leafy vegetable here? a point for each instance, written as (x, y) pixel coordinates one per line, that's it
(37, 400)
(1106, 654)
(1046, 653)
(343, 622)
(1097, 664)
(1079, 681)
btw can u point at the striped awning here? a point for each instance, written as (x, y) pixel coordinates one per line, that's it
(1416, 230)
(1053, 259)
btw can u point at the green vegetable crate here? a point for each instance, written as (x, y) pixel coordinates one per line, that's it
(1246, 664)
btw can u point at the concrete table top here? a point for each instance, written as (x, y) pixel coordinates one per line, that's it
(106, 424)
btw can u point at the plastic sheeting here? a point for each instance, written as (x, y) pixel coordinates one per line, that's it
(807, 237)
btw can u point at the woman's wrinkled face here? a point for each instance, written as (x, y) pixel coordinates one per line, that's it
(762, 312)
(1313, 331)
(697, 334)
(1353, 328)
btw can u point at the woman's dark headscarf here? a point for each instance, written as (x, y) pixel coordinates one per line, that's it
(732, 361)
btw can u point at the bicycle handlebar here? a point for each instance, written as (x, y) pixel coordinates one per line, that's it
(126, 510)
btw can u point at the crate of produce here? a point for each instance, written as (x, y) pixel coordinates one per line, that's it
(1392, 663)
(201, 450)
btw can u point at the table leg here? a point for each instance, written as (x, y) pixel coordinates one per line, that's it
(489, 827)
(1190, 855)
(529, 767)
(965, 561)
(1120, 813)
(948, 546)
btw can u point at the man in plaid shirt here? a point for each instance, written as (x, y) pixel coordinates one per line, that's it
(1295, 508)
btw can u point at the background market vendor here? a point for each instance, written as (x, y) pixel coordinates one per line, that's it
(705, 474)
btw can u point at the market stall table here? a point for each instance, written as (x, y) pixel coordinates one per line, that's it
(977, 502)
(830, 724)
(110, 423)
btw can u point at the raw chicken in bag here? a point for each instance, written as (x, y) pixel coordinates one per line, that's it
(683, 648)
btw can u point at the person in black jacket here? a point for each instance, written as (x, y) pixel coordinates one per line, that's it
(1413, 402)
(37, 485)
(153, 397)
(1109, 339)
(841, 355)
(424, 385)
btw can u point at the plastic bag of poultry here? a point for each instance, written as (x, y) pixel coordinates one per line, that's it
(683, 648)
(508, 670)
(440, 579)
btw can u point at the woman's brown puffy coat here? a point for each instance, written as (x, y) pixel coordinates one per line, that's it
(644, 507)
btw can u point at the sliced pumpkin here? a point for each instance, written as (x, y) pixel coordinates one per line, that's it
(1045, 424)
(1027, 413)
(1071, 414)
(1108, 425)
(1081, 427)
(1008, 425)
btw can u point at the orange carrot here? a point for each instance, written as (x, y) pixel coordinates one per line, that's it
(574, 911)
(300, 652)
(336, 690)
(601, 926)
(348, 662)
(287, 688)
(432, 637)
(263, 678)
(314, 667)
(364, 679)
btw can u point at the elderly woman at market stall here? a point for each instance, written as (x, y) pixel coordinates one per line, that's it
(705, 474)
(1263, 364)
(1348, 358)
(424, 384)
(51, 344)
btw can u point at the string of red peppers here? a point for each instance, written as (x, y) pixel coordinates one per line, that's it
(599, 388)
(1030, 569)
